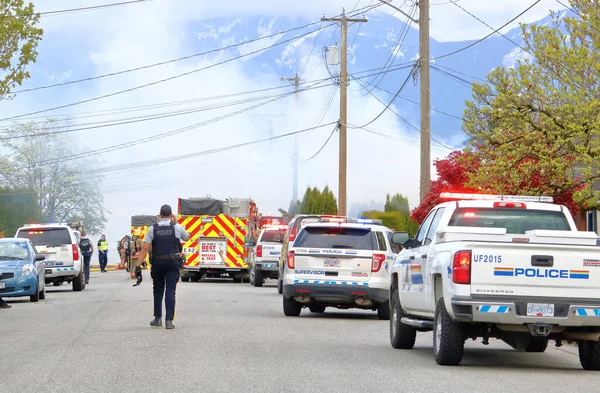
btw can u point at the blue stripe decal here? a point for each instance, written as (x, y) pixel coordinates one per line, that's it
(364, 284)
(485, 308)
(580, 276)
(503, 273)
(416, 278)
(502, 309)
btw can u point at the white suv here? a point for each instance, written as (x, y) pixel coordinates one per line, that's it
(58, 242)
(340, 263)
(264, 258)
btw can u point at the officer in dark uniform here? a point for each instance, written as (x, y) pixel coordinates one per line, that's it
(163, 241)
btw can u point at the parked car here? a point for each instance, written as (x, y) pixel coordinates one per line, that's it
(21, 270)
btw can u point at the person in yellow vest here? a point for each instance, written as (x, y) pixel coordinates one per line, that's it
(103, 253)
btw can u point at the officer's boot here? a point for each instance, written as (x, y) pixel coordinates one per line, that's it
(169, 325)
(156, 322)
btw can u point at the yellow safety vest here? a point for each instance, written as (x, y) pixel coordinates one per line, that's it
(103, 245)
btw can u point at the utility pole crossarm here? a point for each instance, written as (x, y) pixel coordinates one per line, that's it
(349, 20)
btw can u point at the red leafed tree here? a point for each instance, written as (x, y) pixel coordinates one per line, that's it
(453, 175)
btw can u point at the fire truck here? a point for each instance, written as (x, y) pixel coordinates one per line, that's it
(270, 220)
(220, 234)
(139, 226)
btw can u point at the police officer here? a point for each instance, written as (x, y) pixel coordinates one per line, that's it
(163, 241)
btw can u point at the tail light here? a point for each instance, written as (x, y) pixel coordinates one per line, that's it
(259, 251)
(292, 235)
(75, 252)
(461, 267)
(377, 262)
(510, 204)
(290, 259)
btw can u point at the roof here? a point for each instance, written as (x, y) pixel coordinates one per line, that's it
(490, 204)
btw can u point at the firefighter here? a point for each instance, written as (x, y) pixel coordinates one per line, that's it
(136, 248)
(163, 241)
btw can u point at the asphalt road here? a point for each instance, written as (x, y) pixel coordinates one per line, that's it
(235, 338)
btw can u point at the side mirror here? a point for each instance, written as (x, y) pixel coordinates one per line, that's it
(39, 257)
(400, 238)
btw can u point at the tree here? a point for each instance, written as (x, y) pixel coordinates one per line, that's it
(17, 207)
(19, 39)
(454, 174)
(317, 202)
(39, 158)
(397, 202)
(535, 129)
(396, 220)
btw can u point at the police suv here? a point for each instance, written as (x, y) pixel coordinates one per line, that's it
(341, 263)
(58, 242)
(508, 267)
(263, 261)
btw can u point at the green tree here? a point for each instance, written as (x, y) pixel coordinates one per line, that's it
(396, 220)
(19, 38)
(317, 202)
(39, 158)
(17, 207)
(396, 203)
(535, 128)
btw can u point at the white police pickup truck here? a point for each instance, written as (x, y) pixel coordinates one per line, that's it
(505, 267)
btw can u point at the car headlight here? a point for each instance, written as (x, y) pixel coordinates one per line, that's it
(27, 270)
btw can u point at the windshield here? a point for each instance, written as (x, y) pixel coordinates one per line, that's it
(514, 220)
(272, 237)
(46, 236)
(336, 237)
(10, 251)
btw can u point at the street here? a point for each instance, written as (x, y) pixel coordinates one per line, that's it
(234, 338)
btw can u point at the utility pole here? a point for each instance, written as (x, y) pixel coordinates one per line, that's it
(342, 193)
(425, 97)
(296, 81)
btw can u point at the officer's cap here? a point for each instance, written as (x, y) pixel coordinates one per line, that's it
(165, 211)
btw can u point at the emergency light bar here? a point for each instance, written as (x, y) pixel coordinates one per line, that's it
(43, 225)
(348, 220)
(483, 197)
(274, 227)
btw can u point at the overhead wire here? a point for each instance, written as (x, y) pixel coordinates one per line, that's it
(94, 7)
(324, 144)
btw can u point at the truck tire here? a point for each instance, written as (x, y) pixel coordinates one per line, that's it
(317, 308)
(251, 274)
(291, 308)
(538, 345)
(279, 287)
(195, 278)
(185, 279)
(383, 311)
(401, 336)
(79, 282)
(589, 355)
(448, 337)
(258, 279)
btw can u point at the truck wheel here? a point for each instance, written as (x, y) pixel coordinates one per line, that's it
(195, 278)
(448, 337)
(185, 279)
(78, 282)
(589, 355)
(401, 336)
(280, 287)
(383, 311)
(251, 274)
(317, 308)
(36, 297)
(258, 279)
(537, 345)
(291, 308)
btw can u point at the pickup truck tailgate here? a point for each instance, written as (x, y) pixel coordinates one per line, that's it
(536, 270)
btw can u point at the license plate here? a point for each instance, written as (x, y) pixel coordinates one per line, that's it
(331, 263)
(48, 271)
(49, 263)
(2, 285)
(540, 310)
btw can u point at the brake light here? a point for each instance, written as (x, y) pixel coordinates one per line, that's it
(75, 252)
(461, 267)
(290, 259)
(510, 204)
(259, 251)
(377, 262)
(292, 235)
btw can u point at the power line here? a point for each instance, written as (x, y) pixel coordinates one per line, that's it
(567, 7)
(177, 59)
(455, 78)
(324, 144)
(486, 37)
(94, 7)
(461, 73)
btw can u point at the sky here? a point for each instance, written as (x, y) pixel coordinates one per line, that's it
(85, 44)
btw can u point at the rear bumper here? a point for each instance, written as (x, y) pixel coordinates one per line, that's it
(61, 272)
(513, 311)
(336, 293)
(267, 266)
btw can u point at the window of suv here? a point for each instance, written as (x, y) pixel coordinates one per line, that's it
(336, 237)
(46, 236)
(272, 237)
